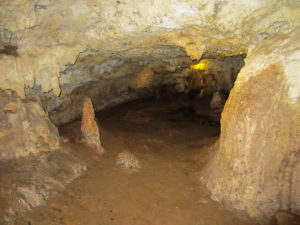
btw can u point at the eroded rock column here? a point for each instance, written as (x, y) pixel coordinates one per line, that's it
(256, 168)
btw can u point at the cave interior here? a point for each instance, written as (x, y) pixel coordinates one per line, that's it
(149, 112)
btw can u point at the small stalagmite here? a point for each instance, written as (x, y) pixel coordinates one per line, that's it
(89, 127)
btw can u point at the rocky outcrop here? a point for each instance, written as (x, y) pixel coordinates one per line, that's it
(24, 128)
(89, 127)
(257, 167)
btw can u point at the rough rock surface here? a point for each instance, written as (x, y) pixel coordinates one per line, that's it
(123, 83)
(127, 160)
(49, 35)
(33, 162)
(215, 75)
(29, 182)
(89, 127)
(257, 167)
(55, 47)
(217, 101)
(114, 51)
(24, 128)
(114, 81)
(284, 218)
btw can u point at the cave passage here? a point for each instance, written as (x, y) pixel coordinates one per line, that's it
(169, 140)
(179, 112)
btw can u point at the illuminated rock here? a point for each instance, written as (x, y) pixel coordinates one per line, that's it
(89, 127)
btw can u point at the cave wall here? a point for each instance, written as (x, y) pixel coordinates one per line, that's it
(114, 80)
(25, 128)
(257, 166)
(216, 75)
(42, 37)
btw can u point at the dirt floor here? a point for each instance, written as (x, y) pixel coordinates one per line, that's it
(167, 138)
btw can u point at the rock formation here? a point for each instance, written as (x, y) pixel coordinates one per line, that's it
(29, 182)
(284, 218)
(58, 52)
(127, 160)
(65, 50)
(257, 167)
(33, 162)
(24, 128)
(217, 102)
(89, 127)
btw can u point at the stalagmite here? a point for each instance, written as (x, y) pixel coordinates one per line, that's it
(89, 127)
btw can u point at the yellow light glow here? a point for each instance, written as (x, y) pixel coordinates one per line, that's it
(202, 65)
(233, 54)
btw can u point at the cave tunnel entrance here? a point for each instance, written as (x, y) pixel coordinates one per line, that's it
(196, 96)
(155, 145)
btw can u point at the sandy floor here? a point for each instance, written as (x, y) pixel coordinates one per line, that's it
(167, 139)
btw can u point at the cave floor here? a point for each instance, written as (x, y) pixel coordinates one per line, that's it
(169, 142)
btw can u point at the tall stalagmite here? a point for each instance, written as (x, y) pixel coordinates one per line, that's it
(89, 126)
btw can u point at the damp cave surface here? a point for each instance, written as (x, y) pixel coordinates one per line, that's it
(169, 139)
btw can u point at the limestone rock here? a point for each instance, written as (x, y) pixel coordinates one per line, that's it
(214, 75)
(257, 166)
(285, 218)
(217, 102)
(127, 160)
(24, 128)
(62, 46)
(32, 197)
(29, 182)
(51, 34)
(109, 82)
(89, 127)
